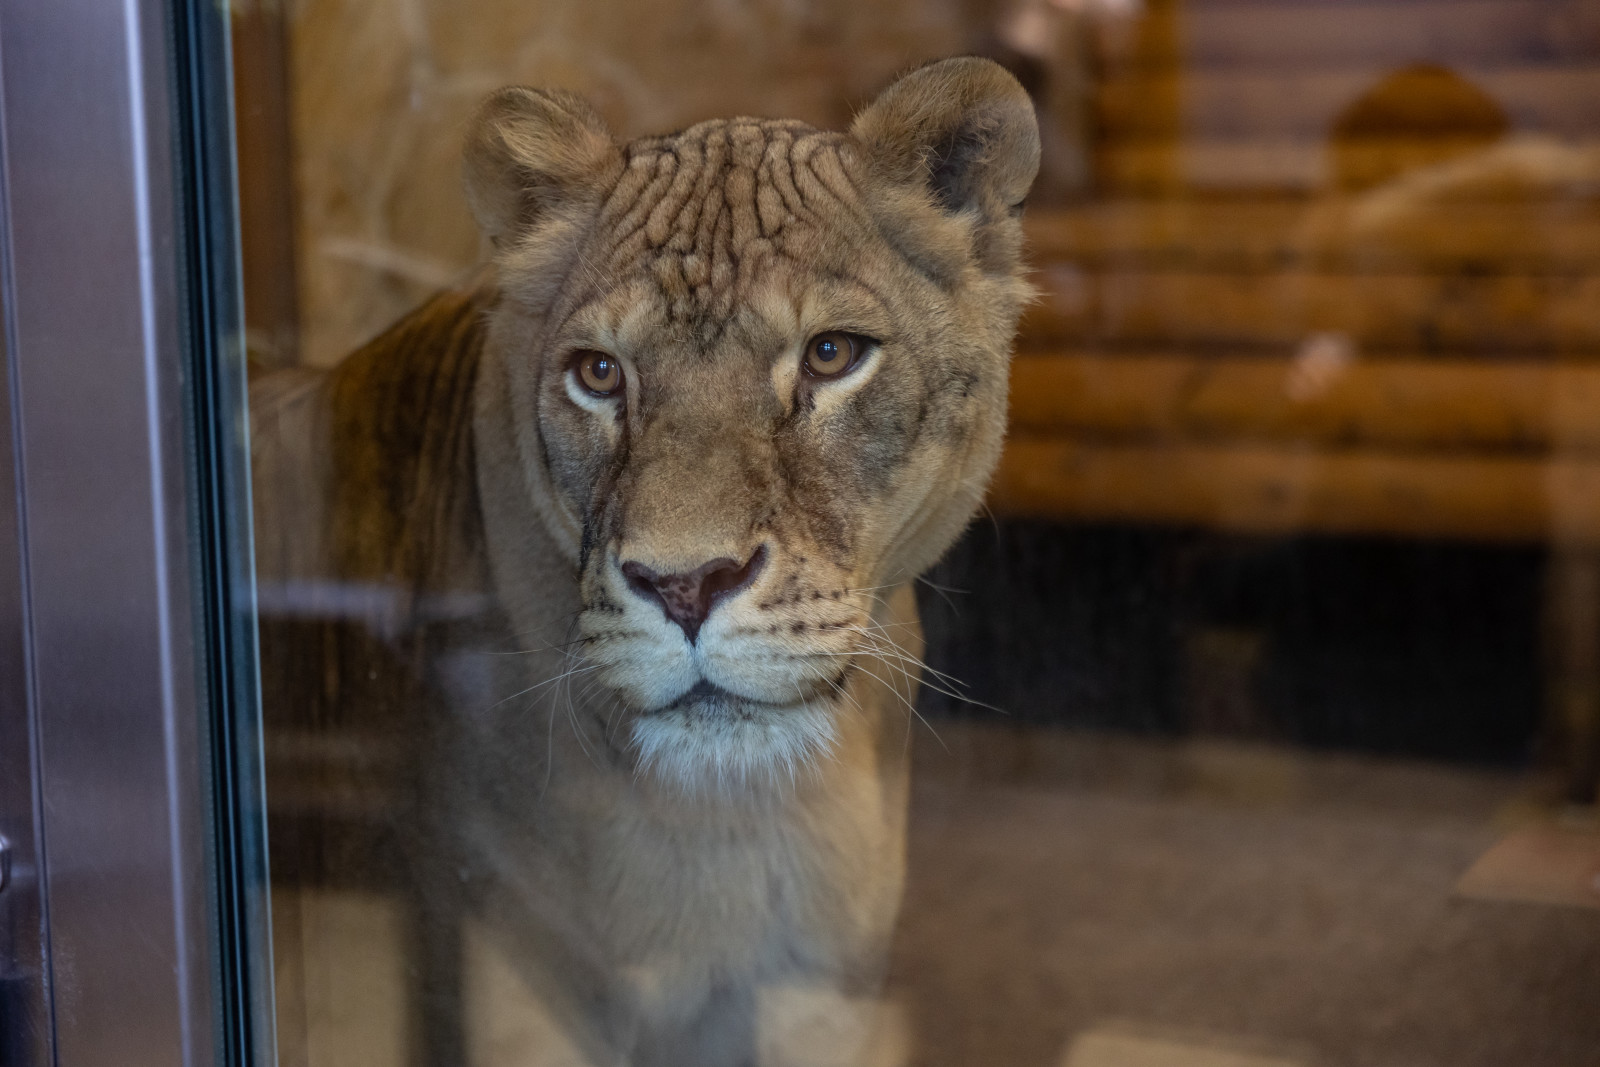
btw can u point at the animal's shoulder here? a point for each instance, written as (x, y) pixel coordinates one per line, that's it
(384, 439)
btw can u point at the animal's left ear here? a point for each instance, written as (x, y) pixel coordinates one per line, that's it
(530, 153)
(962, 133)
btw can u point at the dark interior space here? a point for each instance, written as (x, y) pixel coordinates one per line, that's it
(1404, 648)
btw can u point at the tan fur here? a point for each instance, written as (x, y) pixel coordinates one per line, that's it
(675, 827)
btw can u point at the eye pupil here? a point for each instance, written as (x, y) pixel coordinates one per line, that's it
(599, 373)
(830, 354)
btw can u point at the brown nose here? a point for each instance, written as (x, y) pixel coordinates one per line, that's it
(688, 598)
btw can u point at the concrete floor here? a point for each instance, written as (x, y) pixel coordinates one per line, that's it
(1254, 896)
(1087, 901)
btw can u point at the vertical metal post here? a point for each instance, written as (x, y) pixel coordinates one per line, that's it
(102, 609)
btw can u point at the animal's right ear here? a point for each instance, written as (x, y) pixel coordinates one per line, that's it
(960, 137)
(529, 153)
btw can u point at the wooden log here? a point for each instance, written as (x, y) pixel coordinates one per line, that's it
(1360, 32)
(1287, 490)
(1156, 33)
(1396, 404)
(1426, 313)
(1273, 234)
(1147, 166)
(1151, 166)
(1298, 103)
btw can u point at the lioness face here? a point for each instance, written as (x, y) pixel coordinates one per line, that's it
(768, 383)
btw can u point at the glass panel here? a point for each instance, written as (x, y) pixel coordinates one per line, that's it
(1253, 720)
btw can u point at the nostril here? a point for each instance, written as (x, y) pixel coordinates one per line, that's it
(730, 578)
(640, 579)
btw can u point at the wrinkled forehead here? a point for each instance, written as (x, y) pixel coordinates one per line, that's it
(727, 216)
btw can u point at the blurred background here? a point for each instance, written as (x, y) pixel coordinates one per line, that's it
(1277, 731)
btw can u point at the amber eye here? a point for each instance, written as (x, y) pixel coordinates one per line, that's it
(597, 372)
(829, 355)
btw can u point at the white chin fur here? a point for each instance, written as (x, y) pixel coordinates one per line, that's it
(705, 748)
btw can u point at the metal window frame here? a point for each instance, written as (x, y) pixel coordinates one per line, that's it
(136, 923)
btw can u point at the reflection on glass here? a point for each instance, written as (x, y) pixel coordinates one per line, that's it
(1260, 717)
